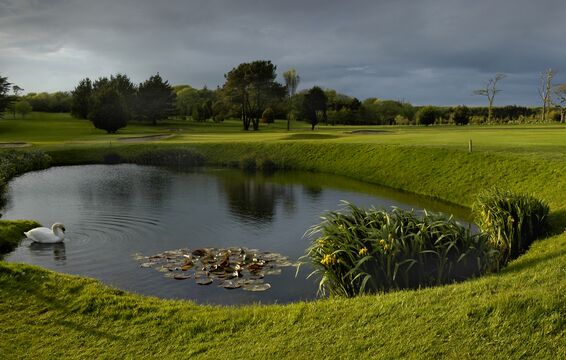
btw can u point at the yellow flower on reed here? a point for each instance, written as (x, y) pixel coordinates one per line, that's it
(363, 251)
(328, 259)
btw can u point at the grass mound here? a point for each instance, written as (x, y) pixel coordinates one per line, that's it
(12, 232)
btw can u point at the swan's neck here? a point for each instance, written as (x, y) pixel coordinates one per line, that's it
(58, 232)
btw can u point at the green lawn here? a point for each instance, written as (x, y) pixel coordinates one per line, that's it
(518, 313)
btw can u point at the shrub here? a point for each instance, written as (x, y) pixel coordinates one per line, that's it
(512, 221)
(426, 115)
(170, 157)
(365, 251)
(268, 116)
(253, 162)
(461, 115)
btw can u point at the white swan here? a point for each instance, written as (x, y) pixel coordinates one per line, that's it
(47, 236)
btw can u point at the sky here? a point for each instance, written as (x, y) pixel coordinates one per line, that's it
(420, 51)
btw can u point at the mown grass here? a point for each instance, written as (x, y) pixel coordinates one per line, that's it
(518, 313)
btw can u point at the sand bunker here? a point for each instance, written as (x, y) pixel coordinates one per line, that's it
(146, 138)
(13, 145)
(368, 132)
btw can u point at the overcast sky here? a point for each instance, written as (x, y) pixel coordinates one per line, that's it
(421, 51)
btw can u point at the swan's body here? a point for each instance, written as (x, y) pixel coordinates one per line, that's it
(47, 236)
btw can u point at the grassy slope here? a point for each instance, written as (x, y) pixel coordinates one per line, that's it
(519, 312)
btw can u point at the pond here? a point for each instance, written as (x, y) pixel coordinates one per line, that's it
(113, 212)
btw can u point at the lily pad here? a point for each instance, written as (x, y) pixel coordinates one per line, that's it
(181, 277)
(229, 284)
(256, 287)
(204, 281)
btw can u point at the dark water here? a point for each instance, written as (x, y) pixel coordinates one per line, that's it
(114, 211)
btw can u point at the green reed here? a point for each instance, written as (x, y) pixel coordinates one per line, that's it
(369, 250)
(511, 220)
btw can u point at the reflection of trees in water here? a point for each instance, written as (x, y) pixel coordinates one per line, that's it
(313, 191)
(124, 187)
(58, 250)
(252, 198)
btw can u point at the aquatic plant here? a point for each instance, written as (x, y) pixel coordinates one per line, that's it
(364, 251)
(511, 220)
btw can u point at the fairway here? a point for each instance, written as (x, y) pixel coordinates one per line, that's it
(46, 129)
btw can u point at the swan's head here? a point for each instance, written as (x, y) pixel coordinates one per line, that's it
(58, 226)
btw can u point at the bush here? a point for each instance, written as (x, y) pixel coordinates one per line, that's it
(268, 116)
(512, 221)
(365, 251)
(170, 157)
(461, 115)
(253, 162)
(23, 108)
(426, 115)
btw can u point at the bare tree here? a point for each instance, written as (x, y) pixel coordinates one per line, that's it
(545, 91)
(292, 80)
(560, 100)
(16, 89)
(490, 91)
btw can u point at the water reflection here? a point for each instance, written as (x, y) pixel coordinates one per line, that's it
(57, 250)
(255, 198)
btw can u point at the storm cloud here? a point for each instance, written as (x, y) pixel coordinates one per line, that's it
(421, 51)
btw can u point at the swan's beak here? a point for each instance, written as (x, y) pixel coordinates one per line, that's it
(64, 229)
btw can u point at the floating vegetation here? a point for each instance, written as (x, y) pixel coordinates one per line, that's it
(232, 268)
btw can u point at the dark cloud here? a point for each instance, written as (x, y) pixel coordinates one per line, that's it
(435, 51)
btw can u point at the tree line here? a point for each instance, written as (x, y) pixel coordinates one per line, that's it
(252, 93)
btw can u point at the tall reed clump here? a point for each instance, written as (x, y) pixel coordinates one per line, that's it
(364, 251)
(511, 220)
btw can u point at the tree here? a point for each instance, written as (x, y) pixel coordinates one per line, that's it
(155, 99)
(461, 115)
(23, 108)
(314, 103)
(252, 87)
(490, 91)
(426, 115)
(560, 94)
(16, 89)
(292, 80)
(109, 110)
(5, 99)
(545, 91)
(81, 99)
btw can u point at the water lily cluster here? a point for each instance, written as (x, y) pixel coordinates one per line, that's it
(231, 268)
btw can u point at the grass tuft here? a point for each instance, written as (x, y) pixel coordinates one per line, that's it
(512, 220)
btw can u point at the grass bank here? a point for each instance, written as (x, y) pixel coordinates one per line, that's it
(518, 313)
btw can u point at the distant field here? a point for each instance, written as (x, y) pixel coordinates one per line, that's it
(44, 129)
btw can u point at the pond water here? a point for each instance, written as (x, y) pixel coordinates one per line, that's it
(112, 212)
